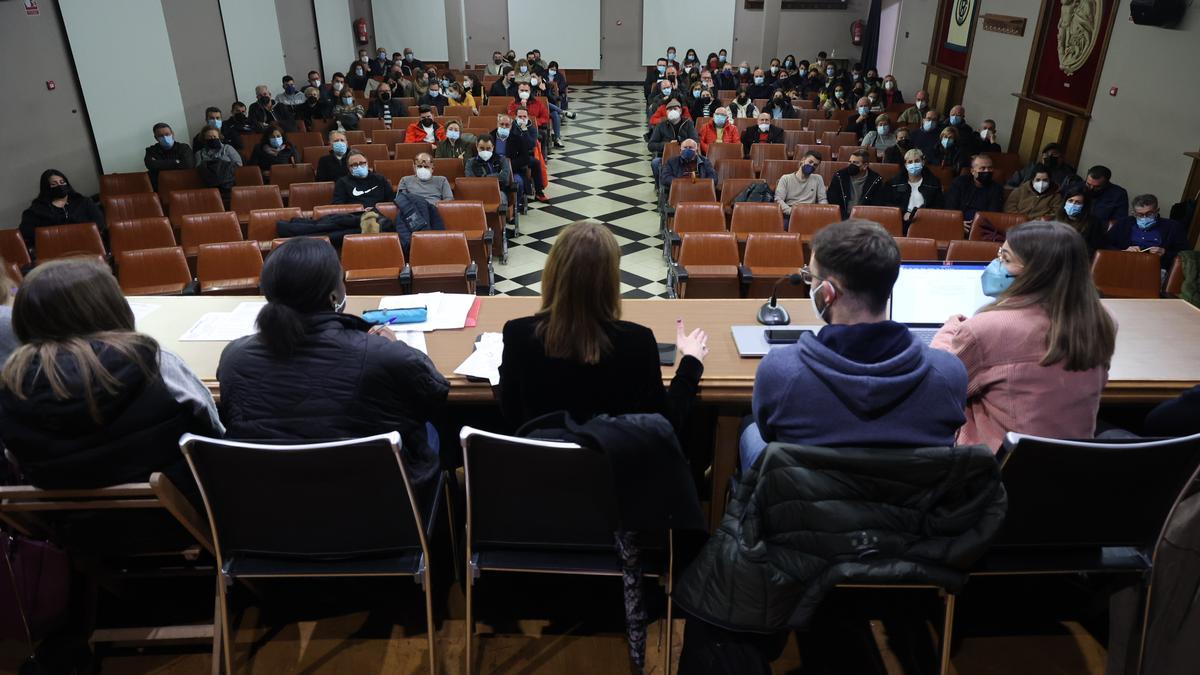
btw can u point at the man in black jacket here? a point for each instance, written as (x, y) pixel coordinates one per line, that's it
(362, 186)
(856, 185)
(384, 106)
(976, 192)
(506, 86)
(765, 132)
(265, 111)
(512, 144)
(166, 154)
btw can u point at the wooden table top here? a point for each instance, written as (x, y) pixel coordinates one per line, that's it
(1155, 359)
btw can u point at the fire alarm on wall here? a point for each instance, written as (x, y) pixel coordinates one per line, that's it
(50, 85)
(1112, 91)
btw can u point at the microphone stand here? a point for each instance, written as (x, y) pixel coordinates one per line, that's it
(771, 314)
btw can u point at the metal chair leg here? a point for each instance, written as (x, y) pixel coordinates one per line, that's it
(226, 637)
(670, 605)
(947, 635)
(428, 584)
(469, 637)
(218, 644)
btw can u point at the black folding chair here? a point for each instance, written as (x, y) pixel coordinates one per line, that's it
(335, 509)
(518, 521)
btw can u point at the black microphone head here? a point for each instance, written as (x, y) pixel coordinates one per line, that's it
(795, 279)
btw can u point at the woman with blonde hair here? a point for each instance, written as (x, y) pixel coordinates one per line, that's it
(1037, 357)
(576, 354)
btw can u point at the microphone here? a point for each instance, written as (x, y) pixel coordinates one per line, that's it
(771, 314)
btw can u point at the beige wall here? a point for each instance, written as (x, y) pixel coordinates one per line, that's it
(801, 32)
(915, 32)
(202, 63)
(997, 69)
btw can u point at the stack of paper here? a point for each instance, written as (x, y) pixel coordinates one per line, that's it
(225, 326)
(444, 310)
(484, 362)
(412, 338)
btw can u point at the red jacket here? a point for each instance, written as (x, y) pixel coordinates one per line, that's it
(416, 133)
(661, 114)
(538, 111)
(708, 135)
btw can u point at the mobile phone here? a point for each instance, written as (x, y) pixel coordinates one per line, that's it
(666, 353)
(784, 336)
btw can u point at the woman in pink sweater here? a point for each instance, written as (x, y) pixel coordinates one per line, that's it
(1037, 358)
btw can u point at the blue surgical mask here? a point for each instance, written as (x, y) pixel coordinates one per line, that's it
(722, 58)
(688, 154)
(947, 142)
(434, 93)
(359, 171)
(1073, 209)
(553, 73)
(445, 83)
(863, 110)
(808, 169)
(788, 64)
(696, 93)
(339, 147)
(1145, 222)
(216, 124)
(743, 70)
(166, 141)
(666, 91)
(452, 134)
(662, 69)
(276, 141)
(720, 120)
(915, 168)
(503, 132)
(955, 120)
(758, 79)
(927, 125)
(670, 56)
(347, 101)
(996, 279)
(882, 130)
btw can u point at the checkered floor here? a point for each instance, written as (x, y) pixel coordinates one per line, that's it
(604, 175)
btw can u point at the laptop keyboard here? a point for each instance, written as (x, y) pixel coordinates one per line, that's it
(925, 335)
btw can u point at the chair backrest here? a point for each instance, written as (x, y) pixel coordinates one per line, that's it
(699, 217)
(811, 218)
(184, 202)
(793, 137)
(1000, 223)
(354, 138)
(13, 248)
(508, 506)
(64, 241)
(836, 139)
(757, 217)
(1121, 274)
(774, 169)
(972, 251)
(688, 190)
(304, 139)
(917, 249)
(463, 216)
(1174, 284)
(209, 228)
(369, 124)
(733, 168)
(231, 264)
(945, 174)
(774, 249)
(485, 189)
(889, 217)
(312, 153)
(372, 251)
(1076, 494)
(796, 124)
(823, 126)
(708, 248)
(323, 210)
(177, 179)
(130, 206)
(734, 187)
(439, 248)
(262, 226)
(153, 271)
(139, 233)
(760, 152)
(450, 167)
(844, 152)
(243, 200)
(284, 175)
(325, 501)
(670, 150)
(944, 225)
(248, 175)
(718, 152)
(305, 196)
(743, 124)
(373, 153)
(410, 151)
(394, 170)
(388, 137)
(113, 184)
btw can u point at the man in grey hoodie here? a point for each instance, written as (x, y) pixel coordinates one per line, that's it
(863, 381)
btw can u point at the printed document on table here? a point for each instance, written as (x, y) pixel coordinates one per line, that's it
(225, 326)
(443, 310)
(484, 362)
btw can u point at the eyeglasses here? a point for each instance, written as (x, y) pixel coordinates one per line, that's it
(356, 165)
(808, 277)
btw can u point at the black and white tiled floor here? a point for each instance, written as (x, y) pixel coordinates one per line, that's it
(604, 175)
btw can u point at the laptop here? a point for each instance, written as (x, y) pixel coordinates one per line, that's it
(925, 295)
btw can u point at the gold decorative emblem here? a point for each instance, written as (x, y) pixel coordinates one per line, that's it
(1078, 33)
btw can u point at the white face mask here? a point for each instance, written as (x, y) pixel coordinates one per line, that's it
(1040, 186)
(524, 95)
(424, 173)
(485, 155)
(337, 86)
(764, 127)
(983, 133)
(533, 81)
(673, 115)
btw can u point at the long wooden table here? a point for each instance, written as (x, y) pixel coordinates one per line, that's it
(1156, 357)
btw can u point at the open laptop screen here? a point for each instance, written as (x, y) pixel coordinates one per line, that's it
(926, 295)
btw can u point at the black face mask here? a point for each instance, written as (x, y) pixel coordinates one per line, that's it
(264, 100)
(426, 122)
(1050, 162)
(60, 191)
(212, 143)
(385, 96)
(238, 117)
(852, 170)
(984, 178)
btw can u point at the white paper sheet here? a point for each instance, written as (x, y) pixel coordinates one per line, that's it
(225, 326)
(141, 310)
(414, 339)
(444, 310)
(484, 362)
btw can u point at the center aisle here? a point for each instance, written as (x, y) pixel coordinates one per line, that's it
(603, 174)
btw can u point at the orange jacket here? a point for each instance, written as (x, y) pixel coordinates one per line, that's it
(708, 135)
(416, 133)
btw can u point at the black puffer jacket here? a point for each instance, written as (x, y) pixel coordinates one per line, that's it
(340, 383)
(809, 518)
(42, 213)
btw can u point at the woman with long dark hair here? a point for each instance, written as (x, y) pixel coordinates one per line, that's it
(1037, 357)
(313, 373)
(1076, 211)
(576, 354)
(58, 203)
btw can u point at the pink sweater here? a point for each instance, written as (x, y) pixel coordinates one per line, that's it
(1008, 389)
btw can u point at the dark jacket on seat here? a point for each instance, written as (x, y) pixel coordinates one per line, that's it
(804, 519)
(340, 383)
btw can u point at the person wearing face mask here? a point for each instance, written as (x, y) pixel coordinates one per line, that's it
(505, 87)
(434, 97)
(671, 62)
(742, 105)
(1061, 172)
(357, 76)
(1038, 355)
(333, 91)
(758, 85)
(891, 92)
(485, 162)
(659, 112)
(524, 72)
(347, 111)
(838, 100)
(166, 154)
(360, 185)
(895, 154)
(264, 111)
(1037, 198)
(456, 145)
(1109, 201)
(1076, 212)
(857, 185)
(217, 162)
(957, 120)
(863, 121)
(525, 100)
(238, 122)
(424, 184)
(654, 74)
(496, 65)
(975, 192)
(380, 64)
(57, 203)
(290, 96)
(917, 112)
(721, 130)
(385, 106)
(949, 151)
(765, 132)
(726, 78)
(273, 148)
(928, 136)
(425, 130)
(779, 107)
(411, 64)
(689, 162)
(313, 108)
(461, 96)
(1147, 231)
(804, 186)
(676, 128)
(863, 380)
(881, 137)
(332, 165)
(916, 186)
(524, 126)
(702, 103)
(313, 371)
(212, 119)
(518, 152)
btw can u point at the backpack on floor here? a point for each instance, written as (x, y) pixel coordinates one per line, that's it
(755, 192)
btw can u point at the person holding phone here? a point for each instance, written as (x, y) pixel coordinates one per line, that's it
(576, 354)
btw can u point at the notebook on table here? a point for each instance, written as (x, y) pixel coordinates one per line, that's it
(925, 295)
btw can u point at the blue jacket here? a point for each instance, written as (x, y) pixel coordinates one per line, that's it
(1169, 234)
(862, 385)
(1112, 204)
